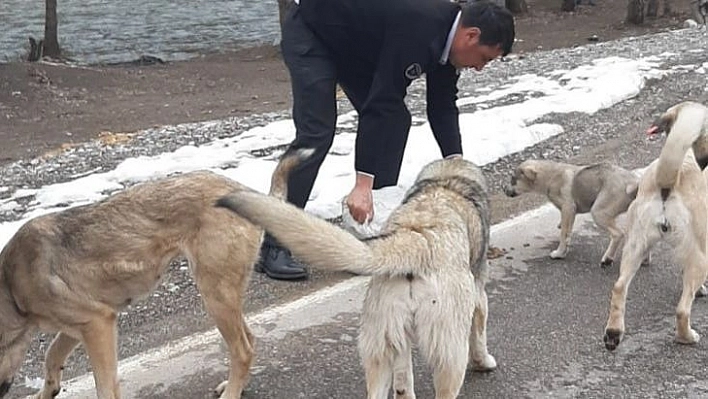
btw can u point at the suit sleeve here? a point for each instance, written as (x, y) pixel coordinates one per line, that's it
(443, 114)
(384, 113)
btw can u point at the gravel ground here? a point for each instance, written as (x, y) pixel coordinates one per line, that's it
(611, 134)
(688, 47)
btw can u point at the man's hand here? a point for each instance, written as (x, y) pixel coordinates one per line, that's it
(360, 200)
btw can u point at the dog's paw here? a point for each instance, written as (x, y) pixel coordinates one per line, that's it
(486, 364)
(47, 393)
(556, 254)
(692, 338)
(647, 260)
(612, 338)
(702, 291)
(219, 390)
(606, 262)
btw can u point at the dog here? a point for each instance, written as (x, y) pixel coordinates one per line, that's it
(671, 205)
(603, 189)
(73, 271)
(429, 270)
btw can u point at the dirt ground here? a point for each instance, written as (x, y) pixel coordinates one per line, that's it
(44, 106)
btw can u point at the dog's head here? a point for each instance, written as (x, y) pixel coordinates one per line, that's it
(663, 123)
(523, 180)
(666, 120)
(452, 167)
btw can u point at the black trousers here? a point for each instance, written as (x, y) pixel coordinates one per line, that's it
(314, 74)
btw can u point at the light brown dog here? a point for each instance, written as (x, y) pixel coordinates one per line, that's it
(671, 205)
(74, 270)
(603, 189)
(429, 270)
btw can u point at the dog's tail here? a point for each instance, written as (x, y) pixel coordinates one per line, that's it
(688, 123)
(323, 245)
(290, 159)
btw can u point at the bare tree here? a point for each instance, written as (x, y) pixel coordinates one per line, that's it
(567, 5)
(667, 7)
(51, 41)
(652, 8)
(517, 6)
(635, 12)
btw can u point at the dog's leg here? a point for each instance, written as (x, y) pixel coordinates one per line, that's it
(694, 274)
(220, 274)
(240, 342)
(379, 372)
(567, 220)
(443, 340)
(447, 353)
(386, 323)
(60, 348)
(632, 255)
(448, 377)
(403, 375)
(481, 359)
(608, 223)
(99, 337)
(376, 351)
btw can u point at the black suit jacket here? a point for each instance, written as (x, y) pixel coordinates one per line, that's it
(393, 42)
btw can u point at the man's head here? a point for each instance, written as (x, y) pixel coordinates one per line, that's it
(485, 32)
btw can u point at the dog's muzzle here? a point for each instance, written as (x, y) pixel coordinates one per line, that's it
(5, 388)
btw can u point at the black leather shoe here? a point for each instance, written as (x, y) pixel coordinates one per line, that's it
(277, 263)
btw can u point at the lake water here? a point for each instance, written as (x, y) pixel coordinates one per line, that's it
(98, 31)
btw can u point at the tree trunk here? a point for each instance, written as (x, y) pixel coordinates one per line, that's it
(568, 5)
(517, 6)
(635, 12)
(667, 7)
(282, 8)
(652, 8)
(702, 11)
(36, 48)
(51, 41)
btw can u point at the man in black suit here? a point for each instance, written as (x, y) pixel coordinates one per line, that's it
(374, 49)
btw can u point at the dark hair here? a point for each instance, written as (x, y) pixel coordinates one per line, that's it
(495, 23)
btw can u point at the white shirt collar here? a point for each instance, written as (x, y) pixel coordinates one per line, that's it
(450, 36)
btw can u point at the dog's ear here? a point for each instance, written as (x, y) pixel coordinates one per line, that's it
(529, 172)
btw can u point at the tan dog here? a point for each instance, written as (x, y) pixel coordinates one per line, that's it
(429, 271)
(74, 270)
(672, 205)
(602, 189)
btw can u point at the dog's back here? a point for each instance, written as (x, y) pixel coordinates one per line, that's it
(592, 180)
(117, 249)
